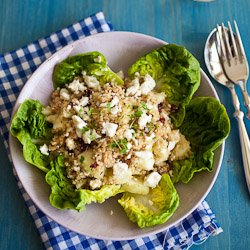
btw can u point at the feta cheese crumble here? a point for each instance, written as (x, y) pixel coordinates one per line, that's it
(76, 87)
(109, 128)
(144, 119)
(152, 179)
(64, 94)
(120, 168)
(78, 122)
(91, 82)
(44, 149)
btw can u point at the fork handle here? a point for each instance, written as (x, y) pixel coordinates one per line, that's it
(244, 139)
(246, 98)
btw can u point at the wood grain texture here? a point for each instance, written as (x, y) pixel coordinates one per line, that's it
(184, 22)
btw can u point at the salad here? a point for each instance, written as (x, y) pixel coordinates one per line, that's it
(102, 134)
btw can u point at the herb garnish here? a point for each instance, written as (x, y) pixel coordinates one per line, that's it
(82, 159)
(92, 137)
(93, 125)
(138, 113)
(144, 106)
(121, 119)
(84, 130)
(152, 126)
(90, 111)
(121, 144)
(108, 106)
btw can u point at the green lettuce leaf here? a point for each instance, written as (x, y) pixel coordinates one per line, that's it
(31, 129)
(176, 72)
(155, 208)
(93, 63)
(65, 195)
(206, 125)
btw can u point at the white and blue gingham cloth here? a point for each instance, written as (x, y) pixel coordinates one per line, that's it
(15, 69)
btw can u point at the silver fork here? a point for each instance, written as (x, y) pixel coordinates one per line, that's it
(238, 114)
(234, 61)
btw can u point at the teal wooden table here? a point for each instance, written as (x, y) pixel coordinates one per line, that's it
(184, 22)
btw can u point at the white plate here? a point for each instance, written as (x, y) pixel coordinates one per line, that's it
(121, 49)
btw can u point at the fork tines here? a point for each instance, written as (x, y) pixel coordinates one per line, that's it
(231, 44)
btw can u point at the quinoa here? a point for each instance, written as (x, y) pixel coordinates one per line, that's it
(112, 133)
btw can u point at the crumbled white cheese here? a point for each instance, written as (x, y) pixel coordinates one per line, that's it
(86, 137)
(83, 101)
(135, 141)
(76, 168)
(144, 119)
(160, 97)
(103, 105)
(116, 109)
(94, 184)
(76, 87)
(152, 179)
(149, 138)
(64, 94)
(120, 168)
(114, 102)
(78, 122)
(47, 111)
(163, 151)
(95, 135)
(144, 154)
(171, 145)
(109, 128)
(70, 143)
(57, 123)
(91, 81)
(129, 145)
(146, 159)
(84, 113)
(147, 85)
(129, 156)
(77, 108)
(44, 149)
(133, 88)
(149, 106)
(128, 134)
(98, 59)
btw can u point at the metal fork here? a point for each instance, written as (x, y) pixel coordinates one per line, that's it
(234, 61)
(226, 60)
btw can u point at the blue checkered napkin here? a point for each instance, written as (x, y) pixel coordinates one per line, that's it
(15, 69)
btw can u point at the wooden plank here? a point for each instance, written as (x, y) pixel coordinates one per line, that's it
(184, 22)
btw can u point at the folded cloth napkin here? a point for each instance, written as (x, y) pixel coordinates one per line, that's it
(15, 69)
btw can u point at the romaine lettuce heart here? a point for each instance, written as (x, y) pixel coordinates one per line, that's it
(93, 63)
(65, 195)
(206, 125)
(176, 72)
(29, 125)
(155, 208)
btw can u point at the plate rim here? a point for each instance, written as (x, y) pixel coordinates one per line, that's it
(33, 75)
